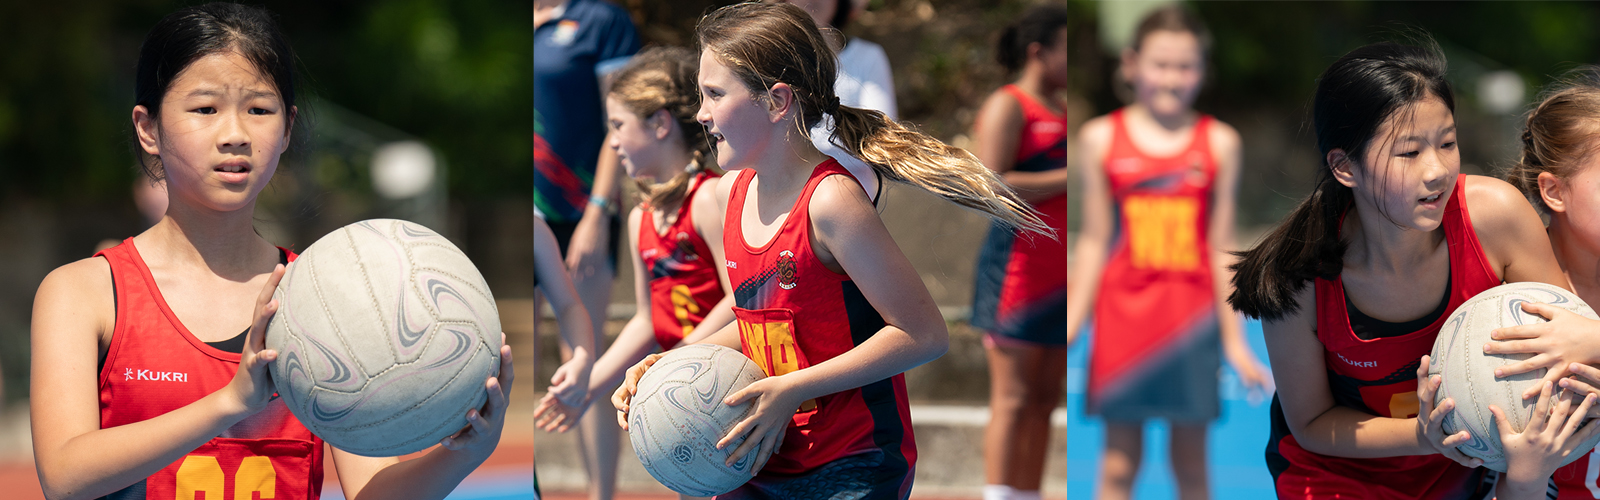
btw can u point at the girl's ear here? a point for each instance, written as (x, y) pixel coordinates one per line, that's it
(1553, 191)
(1343, 167)
(780, 101)
(661, 123)
(146, 128)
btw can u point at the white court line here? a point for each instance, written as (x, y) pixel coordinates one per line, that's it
(967, 416)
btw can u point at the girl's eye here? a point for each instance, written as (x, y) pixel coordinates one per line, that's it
(1412, 154)
(259, 111)
(208, 110)
(1449, 145)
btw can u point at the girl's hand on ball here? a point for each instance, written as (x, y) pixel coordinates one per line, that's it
(1585, 380)
(1430, 419)
(482, 433)
(630, 386)
(252, 386)
(1551, 436)
(1566, 338)
(763, 430)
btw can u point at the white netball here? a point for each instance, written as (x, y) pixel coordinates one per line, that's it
(1467, 373)
(386, 334)
(677, 416)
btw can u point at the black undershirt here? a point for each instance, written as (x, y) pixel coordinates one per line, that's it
(1368, 328)
(234, 345)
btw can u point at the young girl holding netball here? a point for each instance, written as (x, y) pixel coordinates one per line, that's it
(1159, 196)
(817, 277)
(1392, 239)
(679, 282)
(214, 106)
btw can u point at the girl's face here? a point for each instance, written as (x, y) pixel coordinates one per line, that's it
(1580, 202)
(1411, 165)
(222, 128)
(1166, 71)
(1053, 60)
(740, 125)
(638, 141)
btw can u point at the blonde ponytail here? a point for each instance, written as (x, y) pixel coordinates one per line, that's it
(904, 155)
(766, 43)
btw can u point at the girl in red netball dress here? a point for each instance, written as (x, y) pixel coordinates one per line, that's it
(143, 384)
(824, 301)
(1392, 239)
(679, 282)
(1159, 195)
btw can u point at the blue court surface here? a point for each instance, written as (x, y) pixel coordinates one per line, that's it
(1238, 439)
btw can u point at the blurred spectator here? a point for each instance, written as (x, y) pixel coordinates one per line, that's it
(865, 81)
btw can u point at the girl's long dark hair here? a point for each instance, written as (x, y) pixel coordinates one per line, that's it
(1354, 97)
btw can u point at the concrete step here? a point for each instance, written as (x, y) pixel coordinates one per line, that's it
(949, 451)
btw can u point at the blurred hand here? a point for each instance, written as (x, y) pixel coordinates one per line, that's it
(586, 253)
(1253, 375)
(569, 396)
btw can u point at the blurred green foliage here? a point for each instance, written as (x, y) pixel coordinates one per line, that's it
(454, 73)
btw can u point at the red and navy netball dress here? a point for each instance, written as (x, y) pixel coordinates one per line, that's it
(1020, 291)
(1156, 351)
(793, 312)
(154, 365)
(1376, 372)
(684, 283)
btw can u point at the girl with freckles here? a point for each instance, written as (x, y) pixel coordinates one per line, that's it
(814, 271)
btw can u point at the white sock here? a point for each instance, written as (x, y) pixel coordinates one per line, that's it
(998, 492)
(1003, 492)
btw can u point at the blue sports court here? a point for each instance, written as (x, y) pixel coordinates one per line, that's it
(1237, 442)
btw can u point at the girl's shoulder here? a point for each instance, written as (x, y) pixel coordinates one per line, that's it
(1001, 107)
(1490, 200)
(1096, 132)
(839, 199)
(84, 287)
(706, 202)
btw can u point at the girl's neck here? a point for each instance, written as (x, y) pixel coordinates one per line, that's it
(787, 163)
(669, 164)
(1579, 262)
(1379, 246)
(1171, 123)
(224, 242)
(1033, 82)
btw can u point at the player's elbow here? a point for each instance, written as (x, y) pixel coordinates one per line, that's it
(55, 487)
(933, 343)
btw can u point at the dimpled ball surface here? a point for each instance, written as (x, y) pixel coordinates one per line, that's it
(677, 416)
